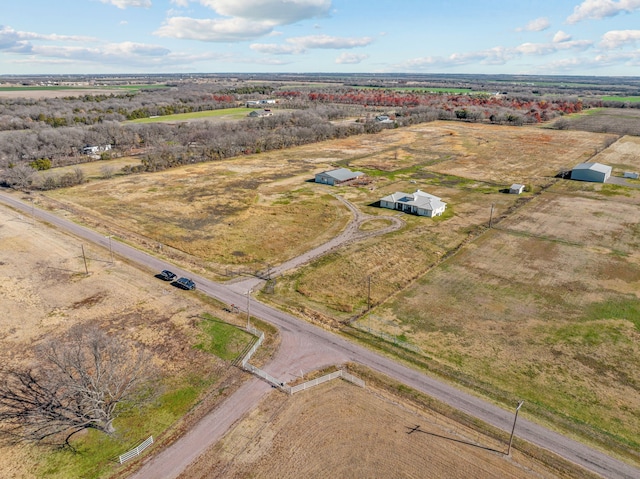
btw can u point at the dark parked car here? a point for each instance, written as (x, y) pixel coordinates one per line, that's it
(184, 283)
(167, 275)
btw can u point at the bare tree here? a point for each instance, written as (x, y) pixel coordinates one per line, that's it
(19, 176)
(79, 382)
(108, 171)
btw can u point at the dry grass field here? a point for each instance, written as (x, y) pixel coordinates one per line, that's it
(621, 121)
(45, 290)
(340, 430)
(545, 308)
(622, 155)
(491, 154)
(243, 212)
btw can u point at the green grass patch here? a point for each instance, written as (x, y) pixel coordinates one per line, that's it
(618, 308)
(630, 99)
(222, 339)
(614, 190)
(96, 453)
(228, 113)
(410, 89)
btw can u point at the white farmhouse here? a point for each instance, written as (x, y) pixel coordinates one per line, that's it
(418, 203)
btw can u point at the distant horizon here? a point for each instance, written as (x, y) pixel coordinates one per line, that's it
(293, 73)
(472, 37)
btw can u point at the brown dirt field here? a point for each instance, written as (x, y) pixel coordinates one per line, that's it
(40, 94)
(340, 430)
(505, 154)
(45, 290)
(623, 155)
(589, 221)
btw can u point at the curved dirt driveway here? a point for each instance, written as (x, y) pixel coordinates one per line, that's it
(350, 234)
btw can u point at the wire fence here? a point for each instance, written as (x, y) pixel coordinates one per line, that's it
(328, 377)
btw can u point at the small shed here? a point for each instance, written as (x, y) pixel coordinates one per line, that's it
(335, 177)
(516, 189)
(260, 113)
(596, 172)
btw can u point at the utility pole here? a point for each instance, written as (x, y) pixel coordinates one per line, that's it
(520, 403)
(248, 305)
(491, 215)
(110, 249)
(369, 293)
(84, 257)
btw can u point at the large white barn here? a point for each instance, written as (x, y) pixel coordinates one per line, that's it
(596, 172)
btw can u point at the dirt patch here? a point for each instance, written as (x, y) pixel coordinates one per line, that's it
(340, 430)
(38, 94)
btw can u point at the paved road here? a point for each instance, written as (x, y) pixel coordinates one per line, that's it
(303, 345)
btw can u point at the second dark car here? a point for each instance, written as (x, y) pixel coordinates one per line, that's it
(184, 283)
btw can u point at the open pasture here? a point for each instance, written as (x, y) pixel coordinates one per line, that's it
(620, 121)
(340, 430)
(549, 321)
(623, 155)
(504, 154)
(222, 214)
(221, 114)
(592, 222)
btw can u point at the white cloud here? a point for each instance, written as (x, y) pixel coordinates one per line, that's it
(494, 56)
(561, 36)
(537, 25)
(297, 45)
(351, 58)
(128, 3)
(275, 49)
(326, 41)
(620, 38)
(21, 42)
(219, 30)
(550, 48)
(599, 9)
(280, 12)
(242, 19)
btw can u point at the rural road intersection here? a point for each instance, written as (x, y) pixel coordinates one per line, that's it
(305, 347)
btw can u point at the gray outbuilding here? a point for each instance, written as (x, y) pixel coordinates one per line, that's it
(516, 189)
(335, 177)
(596, 172)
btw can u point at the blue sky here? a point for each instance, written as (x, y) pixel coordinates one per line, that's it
(567, 37)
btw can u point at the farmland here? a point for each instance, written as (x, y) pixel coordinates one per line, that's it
(620, 121)
(340, 430)
(222, 114)
(544, 301)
